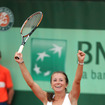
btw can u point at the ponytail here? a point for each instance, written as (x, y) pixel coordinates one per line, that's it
(50, 96)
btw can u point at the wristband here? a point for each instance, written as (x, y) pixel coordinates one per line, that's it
(21, 62)
(80, 63)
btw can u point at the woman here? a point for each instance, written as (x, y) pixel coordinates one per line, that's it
(59, 83)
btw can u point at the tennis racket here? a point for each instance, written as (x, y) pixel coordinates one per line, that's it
(28, 27)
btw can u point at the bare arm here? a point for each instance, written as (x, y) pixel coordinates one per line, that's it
(75, 92)
(42, 95)
(10, 95)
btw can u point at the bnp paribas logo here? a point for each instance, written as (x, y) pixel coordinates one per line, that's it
(6, 18)
(47, 56)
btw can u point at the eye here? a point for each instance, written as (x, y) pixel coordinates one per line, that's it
(54, 80)
(61, 79)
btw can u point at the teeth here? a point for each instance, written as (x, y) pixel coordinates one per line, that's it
(58, 86)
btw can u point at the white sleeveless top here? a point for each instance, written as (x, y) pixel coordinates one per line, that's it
(65, 102)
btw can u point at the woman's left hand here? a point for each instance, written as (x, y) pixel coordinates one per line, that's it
(81, 56)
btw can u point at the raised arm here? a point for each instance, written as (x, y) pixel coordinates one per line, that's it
(75, 92)
(42, 95)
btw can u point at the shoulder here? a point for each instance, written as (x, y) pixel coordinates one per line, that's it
(4, 69)
(72, 99)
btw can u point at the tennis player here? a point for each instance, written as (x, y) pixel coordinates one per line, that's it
(59, 83)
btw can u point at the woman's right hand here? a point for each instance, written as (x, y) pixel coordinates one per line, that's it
(20, 56)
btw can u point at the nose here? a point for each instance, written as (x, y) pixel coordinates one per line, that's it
(57, 82)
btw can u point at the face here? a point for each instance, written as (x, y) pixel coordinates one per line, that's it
(58, 82)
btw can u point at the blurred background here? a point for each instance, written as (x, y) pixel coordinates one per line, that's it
(67, 26)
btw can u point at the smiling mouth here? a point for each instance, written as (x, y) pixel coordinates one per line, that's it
(58, 86)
